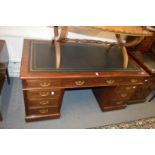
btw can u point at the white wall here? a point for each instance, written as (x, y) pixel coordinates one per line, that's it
(14, 36)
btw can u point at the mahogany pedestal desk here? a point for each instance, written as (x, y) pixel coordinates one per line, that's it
(82, 66)
(3, 66)
(147, 61)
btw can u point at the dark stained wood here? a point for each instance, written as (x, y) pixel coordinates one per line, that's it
(111, 98)
(146, 44)
(44, 90)
(1, 117)
(141, 51)
(140, 95)
(3, 66)
(54, 102)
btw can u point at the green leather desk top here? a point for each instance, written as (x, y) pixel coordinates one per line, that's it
(76, 57)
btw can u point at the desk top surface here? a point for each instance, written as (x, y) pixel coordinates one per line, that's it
(76, 59)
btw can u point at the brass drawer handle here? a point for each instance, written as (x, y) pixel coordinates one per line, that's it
(44, 94)
(119, 102)
(128, 88)
(44, 102)
(45, 84)
(110, 81)
(43, 111)
(123, 95)
(133, 80)
(79, 83)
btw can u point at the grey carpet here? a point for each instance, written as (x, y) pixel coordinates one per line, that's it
(79, 110)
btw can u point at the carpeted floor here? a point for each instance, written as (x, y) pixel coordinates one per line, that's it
(79, 110)
(147, 123)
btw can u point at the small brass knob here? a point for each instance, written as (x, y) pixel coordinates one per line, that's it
(44, 94)
(79, 83)
(110, 81)
(45, 84)
(43, 111)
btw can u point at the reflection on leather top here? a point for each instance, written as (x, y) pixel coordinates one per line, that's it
(76, 57)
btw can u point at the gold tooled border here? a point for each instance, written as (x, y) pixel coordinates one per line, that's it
(33, 52)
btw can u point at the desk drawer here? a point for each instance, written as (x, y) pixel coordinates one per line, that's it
(43, 111)
(123, 92)
(44, 102)
(101, 81)
(89, 82)
(114, 103)
(116, 107)
(42, 83)
(34, 94)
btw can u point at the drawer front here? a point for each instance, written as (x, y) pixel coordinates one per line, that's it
(43, 111)
(122, 96)
(151, 83)
(88, 82)
(132, 81)
(43, 102)
(108, 95)
(124, 92)
(43, 83)
(34, 94)
(114, 103)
